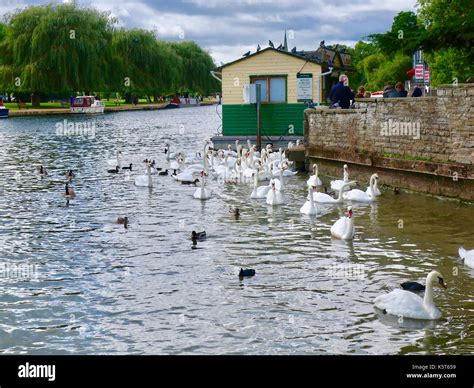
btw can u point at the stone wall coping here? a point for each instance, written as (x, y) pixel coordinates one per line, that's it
(335, 111)
(395, 99)
(446, 86)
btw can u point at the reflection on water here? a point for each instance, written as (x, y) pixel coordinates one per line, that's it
(73, 281)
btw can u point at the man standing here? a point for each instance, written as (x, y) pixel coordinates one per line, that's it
(341, 94)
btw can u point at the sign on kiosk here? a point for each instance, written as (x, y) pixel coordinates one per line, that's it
(419, 69)
(304, 86)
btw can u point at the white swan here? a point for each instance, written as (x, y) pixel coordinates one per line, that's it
(201, 192)
(187, 175)
(410, 305)
(274, 196)
(177, 164)
(168, 153)
(230, 151)
(259, 192)
(117, 161)
(343, 228)
(144, 180)
(308, 207)
(263, 174)
(314, 179)
(282, 169)
(467, 256)
(357, 195)
(375, 189)
(337, 184)
(326, 198)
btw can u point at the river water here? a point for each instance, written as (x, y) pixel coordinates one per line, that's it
(74, 282)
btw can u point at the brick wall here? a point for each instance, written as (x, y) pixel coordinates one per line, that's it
(431, 135)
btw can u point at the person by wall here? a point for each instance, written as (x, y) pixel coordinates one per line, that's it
(360, 92)
(389, 91)
(341, 95)
(400, 88)
(417, 92)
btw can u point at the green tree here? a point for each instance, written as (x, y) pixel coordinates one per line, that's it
(405, 35)
(448, 44)
(58, 49)
(142, 65)
(195, 68)
(63, 49)
(449, 24)
(379, 70)
(448, 65)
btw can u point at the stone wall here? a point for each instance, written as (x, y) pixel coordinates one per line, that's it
(402, 138)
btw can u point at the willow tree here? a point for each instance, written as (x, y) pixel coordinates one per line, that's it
(196, 65)
(6, 71)
(142, 64)
(59, 49)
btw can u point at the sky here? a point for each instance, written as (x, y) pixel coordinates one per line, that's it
(229, 28)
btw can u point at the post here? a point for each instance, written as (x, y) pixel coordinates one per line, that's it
(259, 137)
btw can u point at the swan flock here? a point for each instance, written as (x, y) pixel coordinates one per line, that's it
(266, 171)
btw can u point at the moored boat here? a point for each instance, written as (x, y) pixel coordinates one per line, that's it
(3, 110)
(87, 104)
(174, 103)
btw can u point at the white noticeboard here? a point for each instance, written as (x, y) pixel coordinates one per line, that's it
(250, 93)
(304, 87)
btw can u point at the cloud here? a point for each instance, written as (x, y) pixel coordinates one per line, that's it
(228, 28)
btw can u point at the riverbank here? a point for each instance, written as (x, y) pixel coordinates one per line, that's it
(108, 109)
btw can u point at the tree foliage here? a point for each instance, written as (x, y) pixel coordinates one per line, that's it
(449, 24)
(443, 29)
(62, 49)
(405, 35)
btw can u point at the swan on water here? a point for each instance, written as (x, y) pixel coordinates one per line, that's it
(407, 304)
(375, 189)
(343, 228)
(326, 198)
(337, 184)
(467, 256)
(357, 195)
(259, 192)
(144, 180)
(201, 192)
(314, 179)
(117, 161)
(308, 207)
(274, 196)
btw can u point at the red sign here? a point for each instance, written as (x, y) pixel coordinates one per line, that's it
(419, 69)
(427, 76)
